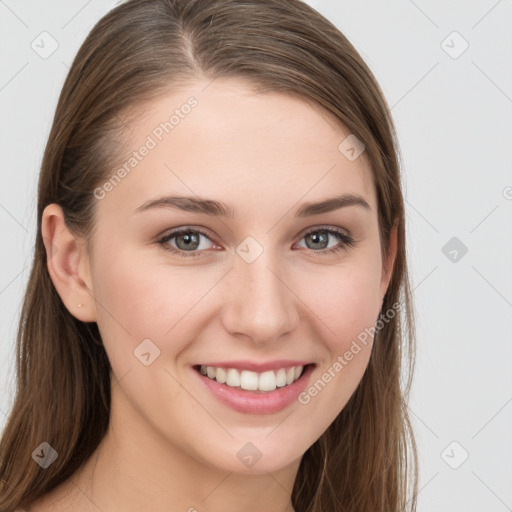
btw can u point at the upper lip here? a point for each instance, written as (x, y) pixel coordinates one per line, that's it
(257, 367)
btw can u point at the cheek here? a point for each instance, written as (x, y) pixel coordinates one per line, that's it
(346, 300)
(347, 306)
(138, 299)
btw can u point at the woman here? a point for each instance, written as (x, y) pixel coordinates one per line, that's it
(219, 304)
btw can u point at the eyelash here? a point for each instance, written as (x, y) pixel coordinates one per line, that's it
(347, 240)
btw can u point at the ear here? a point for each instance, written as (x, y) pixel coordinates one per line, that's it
(389, 262)
(68, 264)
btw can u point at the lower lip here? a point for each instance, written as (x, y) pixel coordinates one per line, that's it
(251, 402)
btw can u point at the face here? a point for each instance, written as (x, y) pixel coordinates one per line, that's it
(269, 284)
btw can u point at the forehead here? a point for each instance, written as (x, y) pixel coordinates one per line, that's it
(222, 139)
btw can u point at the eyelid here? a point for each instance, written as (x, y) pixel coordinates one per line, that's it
(347, 240)
(325, 227)
(171, 233)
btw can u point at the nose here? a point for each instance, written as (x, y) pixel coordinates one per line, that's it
(261, 303)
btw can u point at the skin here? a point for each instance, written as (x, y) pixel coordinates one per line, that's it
(170, 443)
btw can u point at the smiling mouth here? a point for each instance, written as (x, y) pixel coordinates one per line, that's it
(262, 382)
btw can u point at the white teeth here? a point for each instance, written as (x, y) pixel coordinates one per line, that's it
(253, 381)
(281, 378)
(249, 380)
(233, 379)
(267, 381)
(221, 375)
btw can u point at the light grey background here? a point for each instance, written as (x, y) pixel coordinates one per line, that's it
(454, 120)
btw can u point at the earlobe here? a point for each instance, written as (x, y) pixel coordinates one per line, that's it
(68, 264)
(389, 263)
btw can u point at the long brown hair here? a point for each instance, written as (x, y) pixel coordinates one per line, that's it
(366, 460)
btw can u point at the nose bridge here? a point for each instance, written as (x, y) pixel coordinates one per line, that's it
(262, 305)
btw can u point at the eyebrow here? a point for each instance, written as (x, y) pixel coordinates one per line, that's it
(212, 207)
